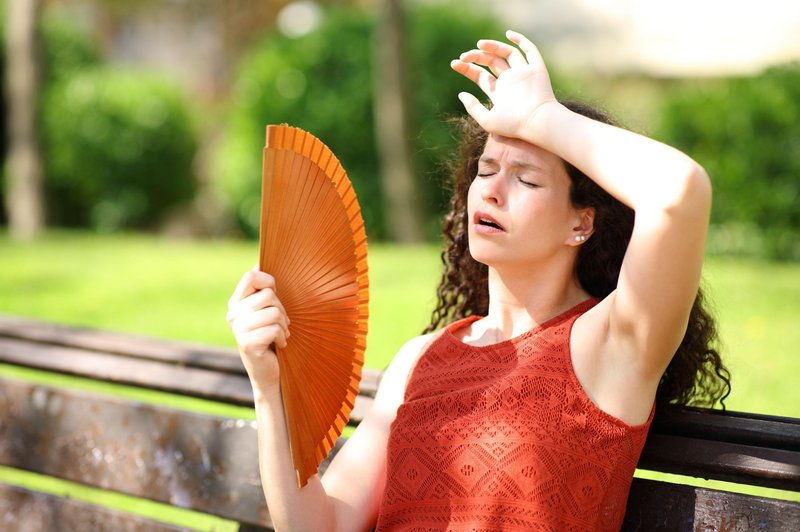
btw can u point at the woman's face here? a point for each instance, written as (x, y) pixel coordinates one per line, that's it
(519, 211)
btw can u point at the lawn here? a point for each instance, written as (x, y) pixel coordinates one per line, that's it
(178, 289)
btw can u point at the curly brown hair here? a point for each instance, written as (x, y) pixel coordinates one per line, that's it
(696, 375)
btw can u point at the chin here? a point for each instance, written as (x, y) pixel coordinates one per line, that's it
(480, 253)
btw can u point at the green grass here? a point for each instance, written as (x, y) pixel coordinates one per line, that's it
(179, 290)
(152, 510)
(758, 307)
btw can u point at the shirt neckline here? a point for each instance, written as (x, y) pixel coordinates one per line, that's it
(580, 308)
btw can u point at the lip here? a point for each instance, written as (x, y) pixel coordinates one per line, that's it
(486, 229)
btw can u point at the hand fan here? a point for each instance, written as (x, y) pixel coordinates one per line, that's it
(313, 243)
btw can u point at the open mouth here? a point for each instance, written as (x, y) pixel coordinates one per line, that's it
(489, 223)
(484, 220)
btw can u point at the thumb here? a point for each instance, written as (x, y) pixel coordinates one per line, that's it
(474, 107)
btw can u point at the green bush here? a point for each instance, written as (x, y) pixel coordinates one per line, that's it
(119, 149)
(66, 51)
(323, 82)
(118, 146)
(746, 133)
(320, 82)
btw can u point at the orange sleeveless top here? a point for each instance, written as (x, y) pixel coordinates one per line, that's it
(503, 437)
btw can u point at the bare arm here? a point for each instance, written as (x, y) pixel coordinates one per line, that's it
(348, 496)
(258, 321)
(644, 320)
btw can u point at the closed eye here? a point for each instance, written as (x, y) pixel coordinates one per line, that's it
(529, 184)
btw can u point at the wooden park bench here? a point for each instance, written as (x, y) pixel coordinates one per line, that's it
(208, 463)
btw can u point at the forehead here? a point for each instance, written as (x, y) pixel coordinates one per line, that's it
(508, 149)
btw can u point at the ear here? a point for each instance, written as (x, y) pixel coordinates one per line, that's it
(583, 228)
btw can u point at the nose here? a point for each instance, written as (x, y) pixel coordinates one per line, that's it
(493, 190)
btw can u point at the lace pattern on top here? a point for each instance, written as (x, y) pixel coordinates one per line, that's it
(503, 437)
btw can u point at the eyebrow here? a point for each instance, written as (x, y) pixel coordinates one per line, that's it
(515, 163)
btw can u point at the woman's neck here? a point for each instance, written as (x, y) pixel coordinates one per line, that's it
(518, 303)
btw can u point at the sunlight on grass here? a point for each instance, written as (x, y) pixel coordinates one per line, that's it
(164, 513)
(179, 289)
(720, 485)
(757, 306)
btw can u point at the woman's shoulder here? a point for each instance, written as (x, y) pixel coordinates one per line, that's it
(393, 382)
(407, 356)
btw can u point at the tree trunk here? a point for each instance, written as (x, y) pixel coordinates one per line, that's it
(403, 204)
(24, 188)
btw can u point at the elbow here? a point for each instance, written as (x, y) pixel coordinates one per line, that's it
(699, 189)
(692, 193)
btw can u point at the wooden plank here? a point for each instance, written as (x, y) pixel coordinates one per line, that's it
(197, 382)
(670, 507)
(745, 464)
(43, 336)
(22, 510)
(190, 460)
(734, 427)
(183, 353)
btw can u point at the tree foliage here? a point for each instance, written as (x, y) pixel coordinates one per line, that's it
(322, 82)
(746, 133)
(118, 145)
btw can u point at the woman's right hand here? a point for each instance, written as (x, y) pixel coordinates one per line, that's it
(258, 321)
(515, 80)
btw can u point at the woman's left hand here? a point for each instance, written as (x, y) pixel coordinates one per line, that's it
(517, 84)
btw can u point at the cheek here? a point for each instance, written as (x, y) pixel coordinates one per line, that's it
(473, 195)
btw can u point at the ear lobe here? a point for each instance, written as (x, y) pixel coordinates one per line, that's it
(584, 228)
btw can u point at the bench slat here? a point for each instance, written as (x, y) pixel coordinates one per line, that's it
(22, 510)
(44, 337)
(183, 353)
(676, 507)
(197, 382)
(732, 427)
(758, 466)
(207, 463)
(202, 383)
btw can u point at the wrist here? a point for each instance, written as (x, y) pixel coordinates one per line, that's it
(266, 395)
(540, 122)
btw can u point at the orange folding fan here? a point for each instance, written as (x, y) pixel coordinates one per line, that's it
(313, 243)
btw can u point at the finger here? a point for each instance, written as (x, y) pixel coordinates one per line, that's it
(476, 74)
(531, 51)
(262, 299)
(510, 53)
(249, 283)
(496, 64)
(262, 319)
(260, 340)
(473, 107)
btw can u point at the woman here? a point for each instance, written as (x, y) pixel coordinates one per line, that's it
(530, 411)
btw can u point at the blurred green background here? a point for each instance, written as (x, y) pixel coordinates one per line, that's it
(147, 120)
(149, 153)
(137, 152)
